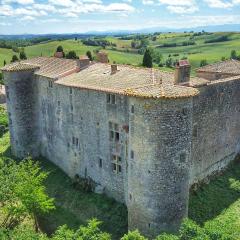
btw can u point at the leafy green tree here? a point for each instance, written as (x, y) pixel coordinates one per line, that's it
(233, 54)
(166, 236)
(147, 59)
(14, 58)
(59, 48)
(169, 62)
(189, 230)
(203, 63)
(89, 232)
(22, 55)
(22, 192)
(71, 55)
(89, 54)
(134, 235)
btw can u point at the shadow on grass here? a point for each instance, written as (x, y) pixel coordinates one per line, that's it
(74, 207)
(213, 199)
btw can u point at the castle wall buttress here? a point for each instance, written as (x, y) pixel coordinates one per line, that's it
(159, 161)
(21, 95)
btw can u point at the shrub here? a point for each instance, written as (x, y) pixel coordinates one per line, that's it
(134, 235)
(203, 63)
(189, 230)
(166, 236)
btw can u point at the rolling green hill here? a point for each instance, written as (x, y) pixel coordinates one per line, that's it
(123, 53)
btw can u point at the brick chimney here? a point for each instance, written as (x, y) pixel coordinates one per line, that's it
(83, 61)
(114, 68)
(58, 54)
(102, 57)
(182, 72)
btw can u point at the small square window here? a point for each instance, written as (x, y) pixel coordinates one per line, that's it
(132, 109)
(132, 154)
(73, 140)
(119, 168)
(114, 167)
(70, 90)
(183, 157)
(100, 162)
(113, 99)
(76, 141)
(117, 137)
(108, 98)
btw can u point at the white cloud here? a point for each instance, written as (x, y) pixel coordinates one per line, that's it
(28, 18)
(219, 3)
(23, 2)
(178, 2)
(148, 2)
(182, 9)
(119, 7)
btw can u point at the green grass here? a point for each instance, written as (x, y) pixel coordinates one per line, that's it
(212, 52)
(215, 203)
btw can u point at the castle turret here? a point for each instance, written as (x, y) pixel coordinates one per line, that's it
(19, 83)
(158, 168)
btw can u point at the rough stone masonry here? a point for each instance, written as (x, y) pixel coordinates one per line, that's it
(142, 135)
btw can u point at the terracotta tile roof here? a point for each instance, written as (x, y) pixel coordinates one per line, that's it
(128, 80)
(52, 67)
(230, 67)
(19, 66)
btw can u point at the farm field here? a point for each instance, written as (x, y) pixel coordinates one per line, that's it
(122, 52)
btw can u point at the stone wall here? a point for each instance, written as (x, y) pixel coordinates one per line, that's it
(158, 171)
(75, 134)
(213, 75)
(21, 102)
(216, 127)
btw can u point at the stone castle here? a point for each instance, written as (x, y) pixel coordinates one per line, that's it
(142, 135)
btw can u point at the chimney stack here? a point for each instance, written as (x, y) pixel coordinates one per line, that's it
(83, 61)
(102, 57)
(114, 68)
(182, 72)
(58, 54)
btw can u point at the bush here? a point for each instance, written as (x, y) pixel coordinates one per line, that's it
(218, 39)
(71, 55)
(134, 235)
(166, 236)
(189, 230)
(203, 63)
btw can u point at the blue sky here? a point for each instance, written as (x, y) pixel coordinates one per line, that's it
(69, 16)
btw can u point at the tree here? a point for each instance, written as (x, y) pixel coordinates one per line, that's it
(22, 55)
(91, 231)
(169, 62)
(71, 55)
(134, 235)
(22, 192)
(147, 59)
(233, 54)
(203, 63)
(89, 54)
(4, 62)
(59, 48)
(14, 58)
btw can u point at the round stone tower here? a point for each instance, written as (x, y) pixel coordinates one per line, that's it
(21, 103)
(158, 167)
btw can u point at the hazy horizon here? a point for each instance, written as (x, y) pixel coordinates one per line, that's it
(81, 16)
